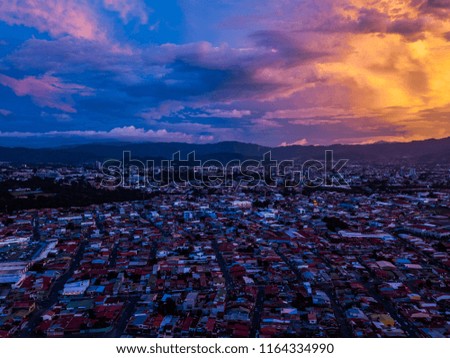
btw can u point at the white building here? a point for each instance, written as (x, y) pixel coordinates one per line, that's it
(76, 288)
(242, 204)
(13, 272)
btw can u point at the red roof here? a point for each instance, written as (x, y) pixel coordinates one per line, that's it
(75, 324)
(3, 333)
(157, 321)
(187, 324)
(210, 324)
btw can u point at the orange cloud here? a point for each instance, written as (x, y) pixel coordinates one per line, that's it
(399, 77)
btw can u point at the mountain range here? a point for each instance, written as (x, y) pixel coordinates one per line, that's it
(427, 151)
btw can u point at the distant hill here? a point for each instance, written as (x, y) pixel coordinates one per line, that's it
(89, 153)
(427, 151)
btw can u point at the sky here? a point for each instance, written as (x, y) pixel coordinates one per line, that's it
(273, 72)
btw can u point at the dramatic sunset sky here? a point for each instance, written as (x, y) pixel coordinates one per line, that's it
(274, 72)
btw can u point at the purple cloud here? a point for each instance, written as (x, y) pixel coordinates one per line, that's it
(286, 71)
(129, 133)
(5, 112)
(58, 18)
(47, 91)
(129, 9)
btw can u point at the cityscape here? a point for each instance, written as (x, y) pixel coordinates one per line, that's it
(371, 260)
(276, 171)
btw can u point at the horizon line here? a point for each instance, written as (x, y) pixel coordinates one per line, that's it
(282, 145)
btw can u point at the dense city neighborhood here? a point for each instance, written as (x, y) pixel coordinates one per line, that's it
(231, 262)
